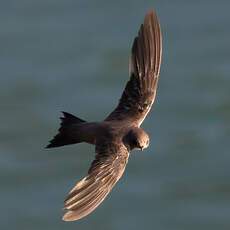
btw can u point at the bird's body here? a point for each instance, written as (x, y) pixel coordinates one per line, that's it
(94, 132)
(120, 132)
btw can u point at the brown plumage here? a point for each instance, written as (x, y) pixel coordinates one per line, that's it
(140, 91)
(120, 132)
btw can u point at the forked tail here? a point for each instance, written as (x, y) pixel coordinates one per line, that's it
(68, 132)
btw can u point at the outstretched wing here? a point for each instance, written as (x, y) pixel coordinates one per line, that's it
(140, 91)
(105, 171)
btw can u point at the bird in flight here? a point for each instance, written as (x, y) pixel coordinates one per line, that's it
(120, 132)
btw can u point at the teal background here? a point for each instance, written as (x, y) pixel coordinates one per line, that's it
(73, 56)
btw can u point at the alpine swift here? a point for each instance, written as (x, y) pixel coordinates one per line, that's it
(120, 132)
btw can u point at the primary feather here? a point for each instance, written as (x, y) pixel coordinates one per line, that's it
(103, 174)
(140, 91)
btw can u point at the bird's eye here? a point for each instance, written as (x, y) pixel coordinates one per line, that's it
(135, 142)
(140, 109)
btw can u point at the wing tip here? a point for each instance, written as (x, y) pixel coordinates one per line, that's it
(70, 216)
(151, 13)
(151, 18)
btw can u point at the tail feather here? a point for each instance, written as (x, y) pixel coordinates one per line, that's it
(65, 136)
(70, 119)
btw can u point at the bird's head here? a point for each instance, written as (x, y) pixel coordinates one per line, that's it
(136, 138)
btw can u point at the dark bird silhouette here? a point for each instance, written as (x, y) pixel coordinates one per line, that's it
(120, 132)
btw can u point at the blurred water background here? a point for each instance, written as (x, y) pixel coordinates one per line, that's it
(73, 56)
